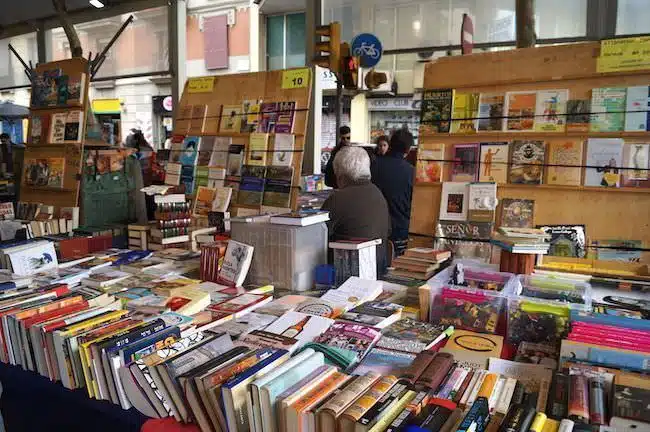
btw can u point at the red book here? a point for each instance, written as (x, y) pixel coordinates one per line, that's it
(74, 247)
(46, 316)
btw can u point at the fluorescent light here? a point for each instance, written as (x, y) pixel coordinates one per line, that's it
(97, 3)
(417, 25)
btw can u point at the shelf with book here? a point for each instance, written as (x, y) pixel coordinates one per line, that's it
(590, 112)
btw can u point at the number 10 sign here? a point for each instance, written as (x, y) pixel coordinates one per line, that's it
(295, 78)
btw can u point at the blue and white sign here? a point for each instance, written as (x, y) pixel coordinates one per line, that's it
(368, 48)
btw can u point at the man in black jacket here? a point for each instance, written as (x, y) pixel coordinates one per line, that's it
(330, 178)
(393, 175)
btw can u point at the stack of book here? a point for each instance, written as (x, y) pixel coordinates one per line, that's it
(419, 263)
(522, 240)
(173, 218)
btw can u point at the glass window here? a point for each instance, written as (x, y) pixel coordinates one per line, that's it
(11, 71)
(633, 17)
(143, 47)
(560, 18)
(285, 41)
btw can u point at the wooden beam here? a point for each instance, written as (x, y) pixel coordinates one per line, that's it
(525, 13)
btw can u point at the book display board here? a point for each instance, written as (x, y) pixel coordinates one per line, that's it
(567, 145)
(244, 133)
(58, 109)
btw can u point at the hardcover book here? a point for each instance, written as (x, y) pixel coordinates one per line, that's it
(430, 163)
(464, 117)
(494, 162)
(251, 188)
(550, 110)
(436, 110)
(465, 164)
(637, 108)
(490, 111)
(566, 240)
(409, 335)
(258, 147)
(231, 116)
(604, 159)
(517, 213)
(520, 109)
(578, 113)
(283, 148)
(608, 109)
(527, 162)
(286, 115)
(277, 187)
(562, 155)
(455, 201)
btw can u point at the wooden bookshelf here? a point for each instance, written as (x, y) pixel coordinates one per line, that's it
(607, 213)
(265, 86)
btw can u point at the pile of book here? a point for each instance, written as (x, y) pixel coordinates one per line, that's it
(419, 263)
(522, 240)
(40, 219)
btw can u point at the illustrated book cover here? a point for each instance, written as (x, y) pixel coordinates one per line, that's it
(436, 110)
(562, 156)
(494, 160)
(527, 162)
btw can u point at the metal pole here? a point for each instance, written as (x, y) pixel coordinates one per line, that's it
(338, 106)
(28, 70)
(100, 58)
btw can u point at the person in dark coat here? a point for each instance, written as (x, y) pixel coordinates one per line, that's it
(393, 175)
(330, 178)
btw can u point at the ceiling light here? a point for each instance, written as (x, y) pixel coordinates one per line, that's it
(97, 3)
(417, 25)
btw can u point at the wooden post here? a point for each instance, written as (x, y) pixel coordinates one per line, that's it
(525, 13)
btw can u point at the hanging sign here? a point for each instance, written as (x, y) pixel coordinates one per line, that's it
(200, 85)
(622, 55)
(295, 78)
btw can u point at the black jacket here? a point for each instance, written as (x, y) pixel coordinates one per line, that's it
(393, 175)
(330, 178)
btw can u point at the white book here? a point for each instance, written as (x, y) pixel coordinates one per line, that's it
(222, 199)
(637, 104)
(536, 378)
(236, 263)
(40, 257)
(219, 156)
(454, 201)
(283, 147)
(300, 326)
(604, 159)
(638, 155)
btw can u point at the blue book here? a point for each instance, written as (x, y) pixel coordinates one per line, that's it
(148, 345)
(251, 188)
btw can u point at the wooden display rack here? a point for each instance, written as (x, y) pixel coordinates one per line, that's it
(68, 195)
(607, 213)
(266, 86)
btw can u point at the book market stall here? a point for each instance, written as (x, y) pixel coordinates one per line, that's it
(225, 313)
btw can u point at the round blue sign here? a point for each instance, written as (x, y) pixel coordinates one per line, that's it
(368, 48)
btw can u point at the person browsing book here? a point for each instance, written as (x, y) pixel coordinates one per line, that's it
(357, 209)
(393, 175)
(330, 177)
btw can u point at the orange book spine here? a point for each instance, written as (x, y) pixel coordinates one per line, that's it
(326, 387)
(488, 385)
(368, 399)
(48, 307)
(233, 370)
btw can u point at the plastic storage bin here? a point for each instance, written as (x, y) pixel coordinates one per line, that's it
(285, 256)
(555, 288)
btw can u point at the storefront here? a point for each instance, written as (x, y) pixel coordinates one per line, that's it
(108, 113)
(388, 114)
(162, 119)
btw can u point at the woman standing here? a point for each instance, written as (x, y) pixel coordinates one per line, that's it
(382, 145)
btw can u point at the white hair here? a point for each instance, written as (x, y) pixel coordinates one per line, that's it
(351, 166)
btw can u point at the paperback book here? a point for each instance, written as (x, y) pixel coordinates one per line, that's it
(455, 201)
(517, 213)
(251, 188)
(286, 115)
(231, 116)
(258, 147)
(520, 109)
(494, 162)
(466, 161)
(283, 148)
(430, 163)
(527, 162)
(608, 109)
(277, 187)
(562, 156)
(250, 118)
(637, 108)
(578, 114)
(490, 112)
(436, 110)
(566, 240)
(604, 159)
(550, 110)
(464, 117)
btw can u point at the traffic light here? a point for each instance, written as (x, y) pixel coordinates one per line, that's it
(328, 54)
(349, 68)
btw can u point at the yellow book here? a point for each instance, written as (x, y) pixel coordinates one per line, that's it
(464, 115)
(258, 147)
(488, 385)
(86, 360)
(231, 116)
(560, 154)
(198, 300)
(390, 415)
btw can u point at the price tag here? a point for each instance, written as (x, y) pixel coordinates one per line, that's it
(200, 85)
(295, 78)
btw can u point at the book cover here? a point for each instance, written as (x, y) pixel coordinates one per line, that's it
(37, 258)
(464, 116)
(455, 201)
(550, 110)
(636, 156)
(221, 200)
(251, 188)
(384, 361)
(73, 126)
(205, 148)
(286, 116)
(566, 240)
(269, 113)
(562, 155)
(283, 148)
(258, 147)
(578, 114)
(527, 162)
(300, 326)
(236, 263)
(436, 110)
(373, 313)
(76, 89)
(465, 164)
(240, 303)
(56, 172)
(494, 162)
(409, 335)
(277, 187)
(231, 116)
(235, 160)
(352, 337)
(473, 349)
(250, 118)
(203, 200)
(44, 172)
(637, 108)
(604, 159)
(517, 213)
(520, 110)
(430, 163)
(40, 128)
(490, 111)
(57, 128)
(608, 109)
(482, 202)
(218, 156)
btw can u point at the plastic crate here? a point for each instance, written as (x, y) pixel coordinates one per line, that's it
(285, 256)
(549, 287)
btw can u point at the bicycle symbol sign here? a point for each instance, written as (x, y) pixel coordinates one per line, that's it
(368, 48)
